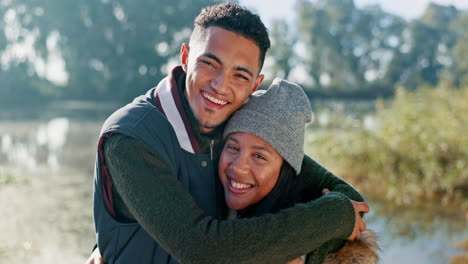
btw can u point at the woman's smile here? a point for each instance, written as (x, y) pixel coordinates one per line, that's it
(248, 169)
(238, 187)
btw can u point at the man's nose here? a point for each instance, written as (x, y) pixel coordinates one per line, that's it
(220, 83)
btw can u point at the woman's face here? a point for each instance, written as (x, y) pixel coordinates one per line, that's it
(248, 169)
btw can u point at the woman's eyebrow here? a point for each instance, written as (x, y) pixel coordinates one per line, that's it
(255, 146)
(262, 148)
(233, 139)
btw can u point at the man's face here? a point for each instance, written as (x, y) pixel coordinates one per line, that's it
(222, 71)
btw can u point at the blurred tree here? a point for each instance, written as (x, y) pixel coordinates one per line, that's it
(456, 74)
(116, 49)
(427, 47)
(19, 85)
(107, 49)
(282, 49)
(346, 48)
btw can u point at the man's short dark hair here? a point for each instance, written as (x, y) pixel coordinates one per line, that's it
(237, 19)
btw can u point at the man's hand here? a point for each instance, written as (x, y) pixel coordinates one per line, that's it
(95, 258)
(359, 225)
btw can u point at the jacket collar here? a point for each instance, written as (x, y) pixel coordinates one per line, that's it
(168, 101)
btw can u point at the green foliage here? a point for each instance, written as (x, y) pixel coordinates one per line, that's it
(348, 48)
(112, 50)
(18, 83)
(427, 48)
(367, 51)
(7, 178)
(456, 74)
(282, 49)
(417, 148)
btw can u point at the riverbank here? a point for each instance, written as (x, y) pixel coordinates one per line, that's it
(46, 216)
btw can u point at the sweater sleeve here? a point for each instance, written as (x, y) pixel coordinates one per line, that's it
(315, 178)
(319, 254)
(162, 206)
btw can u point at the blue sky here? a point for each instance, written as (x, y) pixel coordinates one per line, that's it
(270, 9)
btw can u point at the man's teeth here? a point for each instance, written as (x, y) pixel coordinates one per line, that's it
(239, 185)
(214, 100)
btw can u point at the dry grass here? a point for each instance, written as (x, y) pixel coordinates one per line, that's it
(46, 218)
(461, 259)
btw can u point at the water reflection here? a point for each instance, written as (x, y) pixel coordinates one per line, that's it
(52, 137)
(17, 152)
(36, 144)
(421, 234)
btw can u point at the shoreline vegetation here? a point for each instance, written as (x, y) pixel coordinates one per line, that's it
(413, 147)
(411, 151)
(463, 258)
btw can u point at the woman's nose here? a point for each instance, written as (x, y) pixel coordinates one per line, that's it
(239, 165)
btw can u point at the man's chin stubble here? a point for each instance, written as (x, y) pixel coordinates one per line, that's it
(209, 126)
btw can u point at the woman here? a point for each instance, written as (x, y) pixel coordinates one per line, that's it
(263, 153)
(262, 156)
(263, 150)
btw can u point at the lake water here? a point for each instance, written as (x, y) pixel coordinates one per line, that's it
(46, 173)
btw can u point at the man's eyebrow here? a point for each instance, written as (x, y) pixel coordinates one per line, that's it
(245, 70)
(238, 68)
(213, 57)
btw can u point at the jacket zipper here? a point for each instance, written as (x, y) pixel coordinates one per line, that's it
(211, 148)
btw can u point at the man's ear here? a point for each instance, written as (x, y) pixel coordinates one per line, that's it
(258, 81)
(184, 55)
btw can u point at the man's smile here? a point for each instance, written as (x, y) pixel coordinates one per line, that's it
(213, 99)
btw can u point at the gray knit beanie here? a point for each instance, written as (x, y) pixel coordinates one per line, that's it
(277, 115)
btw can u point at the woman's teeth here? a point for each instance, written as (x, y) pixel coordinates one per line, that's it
(239, 185)
(214, 100)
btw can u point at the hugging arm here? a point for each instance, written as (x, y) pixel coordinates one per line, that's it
(315, 179)
(180, 226)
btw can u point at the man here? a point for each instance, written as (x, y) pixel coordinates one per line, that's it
(157, 198)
